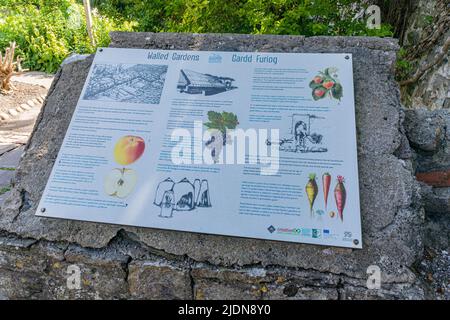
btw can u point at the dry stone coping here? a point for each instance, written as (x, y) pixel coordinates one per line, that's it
(13, 112)
(25, 106)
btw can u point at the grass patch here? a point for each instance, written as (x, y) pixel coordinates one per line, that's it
(4, 190)
(7, 169)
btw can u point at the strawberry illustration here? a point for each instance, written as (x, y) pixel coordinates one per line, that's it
(317, 79)
(328, 84)
(319, 92)
(325, 84)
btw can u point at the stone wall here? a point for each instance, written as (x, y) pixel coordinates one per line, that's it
(429, 135)
(126, 262)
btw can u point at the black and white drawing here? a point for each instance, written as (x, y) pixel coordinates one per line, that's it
(137, 83)
(193, 82)
(181, 196)
(301, 137)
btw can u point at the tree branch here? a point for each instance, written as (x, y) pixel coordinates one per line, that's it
(427, 67)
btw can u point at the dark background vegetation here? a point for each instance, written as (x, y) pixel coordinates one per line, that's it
(47, 31)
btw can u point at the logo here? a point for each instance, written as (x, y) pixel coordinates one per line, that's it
(374, 278)
(74, 278)
(215, 58)
(316, 233)
(293, 231)
(327, 234)
(271, 229)
(347, 236)
(306, 232)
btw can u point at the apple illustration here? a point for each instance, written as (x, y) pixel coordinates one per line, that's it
(120, 182)
(128, 149)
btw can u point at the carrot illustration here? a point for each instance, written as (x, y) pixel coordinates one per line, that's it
(326, 182)
(340, 195)
(311, 190)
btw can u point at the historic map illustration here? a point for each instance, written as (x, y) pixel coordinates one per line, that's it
(137, 83)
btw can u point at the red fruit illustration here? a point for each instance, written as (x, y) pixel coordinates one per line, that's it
(340, 195)
(128, 149)
(317, 79)
(319, 92)
(325, 83)
(328, 84)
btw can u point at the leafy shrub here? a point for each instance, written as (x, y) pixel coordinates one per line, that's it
(47, 31)
(305, 17)
(403, 65)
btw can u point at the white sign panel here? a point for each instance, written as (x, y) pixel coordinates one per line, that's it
(259, 145)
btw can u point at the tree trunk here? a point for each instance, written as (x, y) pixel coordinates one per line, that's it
(396, 13)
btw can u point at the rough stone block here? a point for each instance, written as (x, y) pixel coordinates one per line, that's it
(5, 177)
(11, 158)
(429, 134)
(436, 200)
(158, 280)
(210, 290)
(424, 129)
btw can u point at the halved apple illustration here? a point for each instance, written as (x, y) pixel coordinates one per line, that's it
(128, 149)
(120, 182)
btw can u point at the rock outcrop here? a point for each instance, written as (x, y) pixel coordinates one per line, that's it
(427, 42)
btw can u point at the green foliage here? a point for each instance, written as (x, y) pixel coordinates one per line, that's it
(47, 31)
(403, 66)
(221, 121)
(299, 17)
(4, 190)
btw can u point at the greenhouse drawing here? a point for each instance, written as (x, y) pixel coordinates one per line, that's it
(136, 83)
(181, 196)
(193, 82)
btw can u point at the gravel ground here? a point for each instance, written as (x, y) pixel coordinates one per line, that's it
(435, 271)
(22, 94)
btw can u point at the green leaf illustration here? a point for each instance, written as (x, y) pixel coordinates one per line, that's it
(337, 91)
(214, 116)
(230, 120)
(314, 85)
(221, 121)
